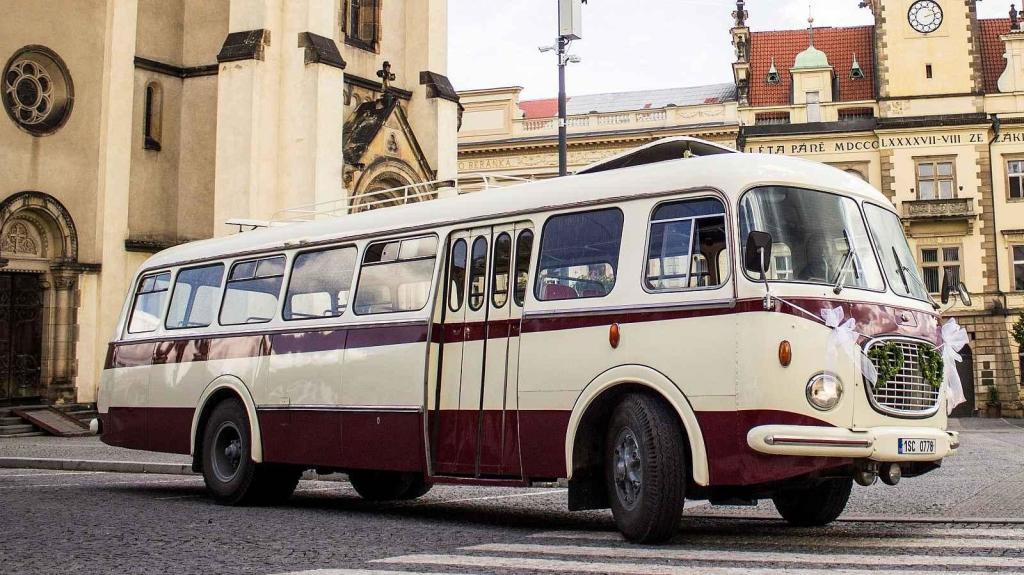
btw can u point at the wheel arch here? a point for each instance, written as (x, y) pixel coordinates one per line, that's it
(613, 382)
(225, 386)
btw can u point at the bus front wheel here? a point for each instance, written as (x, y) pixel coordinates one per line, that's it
(814, 506)
(645, 469)
(230, 474)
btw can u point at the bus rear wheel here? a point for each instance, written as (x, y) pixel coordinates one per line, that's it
(230, 474)
(388, 485)
(814, 506)
(645, 469)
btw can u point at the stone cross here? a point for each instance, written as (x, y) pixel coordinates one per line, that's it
(1014, 20)
(385, 75)
(740, 14)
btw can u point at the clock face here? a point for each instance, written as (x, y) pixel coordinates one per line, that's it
(925, 16)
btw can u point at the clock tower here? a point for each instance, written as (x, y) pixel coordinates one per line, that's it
(927, 48)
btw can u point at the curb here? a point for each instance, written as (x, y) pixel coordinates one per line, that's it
(126, 467)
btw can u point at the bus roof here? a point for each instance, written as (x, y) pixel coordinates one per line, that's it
(731, 174)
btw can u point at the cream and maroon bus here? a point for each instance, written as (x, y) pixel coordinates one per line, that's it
(611, 329)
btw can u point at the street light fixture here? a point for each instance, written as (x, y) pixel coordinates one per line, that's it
(569, 29)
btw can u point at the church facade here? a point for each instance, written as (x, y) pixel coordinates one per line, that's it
(140, 124)
(927, 104)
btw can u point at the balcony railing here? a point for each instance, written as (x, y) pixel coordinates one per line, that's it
(939, 209)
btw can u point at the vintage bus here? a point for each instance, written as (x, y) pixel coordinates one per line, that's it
(608, 329)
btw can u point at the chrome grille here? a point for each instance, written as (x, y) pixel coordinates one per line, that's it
(907, 394)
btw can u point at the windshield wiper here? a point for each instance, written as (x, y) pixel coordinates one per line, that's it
(903, 276)
(837, 284)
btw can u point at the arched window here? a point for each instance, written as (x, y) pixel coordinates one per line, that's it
(152, 118)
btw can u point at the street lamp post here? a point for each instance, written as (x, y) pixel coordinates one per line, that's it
(563, 159)
(569, 29)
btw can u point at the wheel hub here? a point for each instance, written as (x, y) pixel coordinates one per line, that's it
(628, 468)
(227, 452)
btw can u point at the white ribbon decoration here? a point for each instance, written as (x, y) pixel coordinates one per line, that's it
(954, 338)
(844, 336)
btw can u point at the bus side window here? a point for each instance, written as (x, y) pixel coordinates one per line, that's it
(194, 298)
(524, 249)
(252, 291)
(579, 255)
(500, 269)
(320, 283)
(149, 303)
(685, 245)
(457, 276)
(396, 276)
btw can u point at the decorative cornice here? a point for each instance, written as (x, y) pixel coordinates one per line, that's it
(172, 70)
(247, 45)
(321, 50)
(149, 246)
(438, 86)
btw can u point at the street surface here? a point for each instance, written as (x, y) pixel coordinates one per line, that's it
(967, 517)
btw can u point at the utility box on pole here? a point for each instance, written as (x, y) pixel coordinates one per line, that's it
(570, 25)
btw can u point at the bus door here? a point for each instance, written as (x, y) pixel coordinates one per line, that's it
(477, 432)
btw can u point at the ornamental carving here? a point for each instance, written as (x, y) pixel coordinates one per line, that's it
(943, 209)
(19, 239)
(37, 91)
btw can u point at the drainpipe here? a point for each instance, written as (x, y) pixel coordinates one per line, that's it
(992, 191)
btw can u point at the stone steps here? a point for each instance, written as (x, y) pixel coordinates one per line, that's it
(10, 421)
(13, 426)
(17, 428)
(25, 434)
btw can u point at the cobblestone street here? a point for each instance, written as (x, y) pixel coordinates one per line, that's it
(966, 517)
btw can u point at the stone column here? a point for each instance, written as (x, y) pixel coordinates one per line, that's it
(63, 329)
(279, 109)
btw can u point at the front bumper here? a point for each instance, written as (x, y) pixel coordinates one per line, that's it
(875, 443)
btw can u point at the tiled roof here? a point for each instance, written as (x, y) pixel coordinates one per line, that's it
(840, 44)
(638, 100)
(992, 50)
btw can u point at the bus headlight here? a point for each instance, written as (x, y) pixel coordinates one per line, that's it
(824, 391)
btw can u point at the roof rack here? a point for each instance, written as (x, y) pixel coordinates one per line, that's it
(663, 150)
(391, 197)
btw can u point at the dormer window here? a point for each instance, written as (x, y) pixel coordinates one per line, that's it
(856, 72)
(773, 74)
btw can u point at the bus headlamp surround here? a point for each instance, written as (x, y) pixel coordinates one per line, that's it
(824, 391)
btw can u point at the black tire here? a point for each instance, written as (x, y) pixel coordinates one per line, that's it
(645, 469)
(388, 485)
(814, 506)
(230, 474)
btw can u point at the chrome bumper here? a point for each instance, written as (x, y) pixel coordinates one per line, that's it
(875, 443)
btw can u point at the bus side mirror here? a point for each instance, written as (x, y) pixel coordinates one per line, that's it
(757, 256)
(950, 284)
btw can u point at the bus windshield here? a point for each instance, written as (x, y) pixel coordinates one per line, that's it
(897, 259)
(817, 237)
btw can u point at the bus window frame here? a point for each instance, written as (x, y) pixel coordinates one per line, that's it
(220, 294)
(433, 278)
(611, 205)
(727, 214)
(173, 272)
(289, 272)
(227, 281)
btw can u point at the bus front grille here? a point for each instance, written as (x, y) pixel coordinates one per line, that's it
(906, 394)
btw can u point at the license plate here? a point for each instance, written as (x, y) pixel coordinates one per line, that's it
(916, 446)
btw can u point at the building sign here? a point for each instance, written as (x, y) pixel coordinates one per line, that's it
(805, 147)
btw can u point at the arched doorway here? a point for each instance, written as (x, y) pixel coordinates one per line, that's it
(966, 371)
(38, 277)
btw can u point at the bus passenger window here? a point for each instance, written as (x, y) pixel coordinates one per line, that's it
(501, 265)
(149, 303)
(320, 283)
(457, 276)
(194, 299)
(477, 273)
(579, 254)
(685, 246)
(396, 276)
(524, 249)
(252, 291)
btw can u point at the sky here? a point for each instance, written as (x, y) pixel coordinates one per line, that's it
(626, 44)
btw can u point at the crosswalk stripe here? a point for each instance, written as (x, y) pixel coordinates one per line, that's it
(560, 566)
(361, 572)
(824, 540)
(896, 562)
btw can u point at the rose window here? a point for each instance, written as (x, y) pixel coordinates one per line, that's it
(31, 91)
(36, 90)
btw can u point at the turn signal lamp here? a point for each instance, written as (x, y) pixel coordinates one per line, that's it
(785, 353)
(613, 335)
